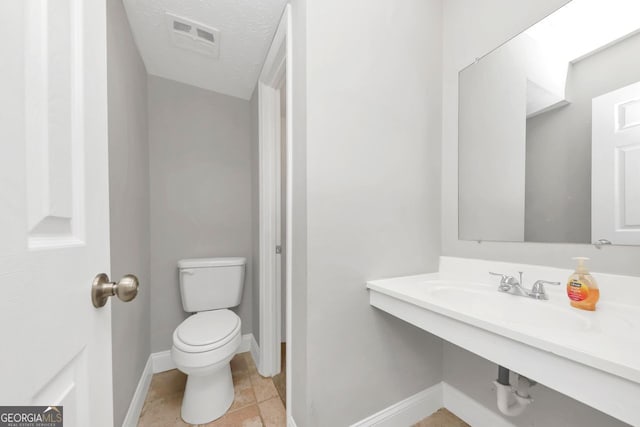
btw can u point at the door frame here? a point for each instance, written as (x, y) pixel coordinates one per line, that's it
(276, 69)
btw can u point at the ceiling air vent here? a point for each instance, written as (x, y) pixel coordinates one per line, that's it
(181, 26)
(206, 35)
(187, 34)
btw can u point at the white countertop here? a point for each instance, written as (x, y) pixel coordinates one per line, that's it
(607, 339)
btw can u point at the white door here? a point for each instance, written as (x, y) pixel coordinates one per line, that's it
(615, 200)
(54, 224)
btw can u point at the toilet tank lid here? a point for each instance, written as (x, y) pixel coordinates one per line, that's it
(211, 262)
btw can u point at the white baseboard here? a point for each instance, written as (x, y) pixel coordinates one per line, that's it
(469, 410)
(162, 360)
(408, 411)
(426, 402)
(135, 408)
(246, 343)
(405, 412)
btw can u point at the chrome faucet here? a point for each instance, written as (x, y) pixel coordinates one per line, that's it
(511, 285)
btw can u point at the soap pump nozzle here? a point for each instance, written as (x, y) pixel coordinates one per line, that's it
(581, 267)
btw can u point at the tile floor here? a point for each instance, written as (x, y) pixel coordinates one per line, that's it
(258, 402)
(441, 418)
(280, 380)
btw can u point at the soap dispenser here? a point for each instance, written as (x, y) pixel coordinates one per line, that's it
(582, 288)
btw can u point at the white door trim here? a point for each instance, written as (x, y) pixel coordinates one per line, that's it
(276, 68)
(286, 25)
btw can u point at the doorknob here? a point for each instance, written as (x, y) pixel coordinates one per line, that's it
(126, 289)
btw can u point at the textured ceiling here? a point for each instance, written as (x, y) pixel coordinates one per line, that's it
(246, 29)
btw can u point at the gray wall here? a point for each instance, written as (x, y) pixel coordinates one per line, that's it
(297, 346)
(466, 36)
(371, 152)
(129, 204)
(200, 168)
(493, 137)
(558, 184)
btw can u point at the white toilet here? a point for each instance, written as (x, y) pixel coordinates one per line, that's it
(205, 343)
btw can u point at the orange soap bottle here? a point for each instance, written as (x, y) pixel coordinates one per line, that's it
(582, 288)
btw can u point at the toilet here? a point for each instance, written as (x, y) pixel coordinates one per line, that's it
(205, 342)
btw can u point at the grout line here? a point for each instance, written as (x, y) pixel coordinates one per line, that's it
(260, 415)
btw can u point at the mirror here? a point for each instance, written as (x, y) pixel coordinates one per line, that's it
(549, 131)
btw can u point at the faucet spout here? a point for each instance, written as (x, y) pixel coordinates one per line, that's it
(511, 285)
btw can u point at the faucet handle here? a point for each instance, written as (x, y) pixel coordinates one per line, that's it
(507, 278)
(538, 292)
(506, 281)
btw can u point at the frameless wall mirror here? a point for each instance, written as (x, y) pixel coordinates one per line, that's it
(549, 131)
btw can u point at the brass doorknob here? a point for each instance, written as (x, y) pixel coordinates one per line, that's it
(126, 289)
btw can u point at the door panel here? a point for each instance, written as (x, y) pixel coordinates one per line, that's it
(616, 166)
(54, 224)
(53, 118)
(631, 180)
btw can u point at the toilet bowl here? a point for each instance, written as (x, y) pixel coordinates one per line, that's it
(203, 346)
(205, 342)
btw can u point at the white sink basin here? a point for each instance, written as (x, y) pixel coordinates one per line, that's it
(478, 301)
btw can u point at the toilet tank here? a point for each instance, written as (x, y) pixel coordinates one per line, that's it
(211, 283)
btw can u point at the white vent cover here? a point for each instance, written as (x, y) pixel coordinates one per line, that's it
(187, 34)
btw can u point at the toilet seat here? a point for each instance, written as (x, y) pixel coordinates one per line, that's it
(206, 331)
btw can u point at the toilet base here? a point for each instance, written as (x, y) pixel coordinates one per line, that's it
(207, 397)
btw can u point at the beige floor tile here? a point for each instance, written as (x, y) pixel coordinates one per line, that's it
(164, 399)
(280, 380)
(263, 388)
(163, 412)
(166, 383)
(441, 418)
(243, 392)
(245, 417)
(273, 413)
(251, 366)
(239, 364)
(241, 379)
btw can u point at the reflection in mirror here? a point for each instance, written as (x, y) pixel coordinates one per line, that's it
(549, 131)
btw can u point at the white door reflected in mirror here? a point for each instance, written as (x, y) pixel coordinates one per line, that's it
(616, 166)
(548, 131)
